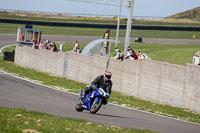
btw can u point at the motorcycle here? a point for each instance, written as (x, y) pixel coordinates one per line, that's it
(93, 101)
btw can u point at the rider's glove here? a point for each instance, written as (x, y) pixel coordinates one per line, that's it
(107, 95)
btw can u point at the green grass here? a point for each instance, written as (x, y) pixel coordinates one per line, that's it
(179, 54)
(166, 110)
(43, 77)
(116, 97)
(172, 53)
(23, 121)
(76, 31)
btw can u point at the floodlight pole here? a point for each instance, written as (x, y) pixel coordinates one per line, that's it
(118, 23)
(128, 27)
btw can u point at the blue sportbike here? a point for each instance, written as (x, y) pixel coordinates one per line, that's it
(93, 101)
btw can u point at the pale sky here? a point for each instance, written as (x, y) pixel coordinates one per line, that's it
(156, 8)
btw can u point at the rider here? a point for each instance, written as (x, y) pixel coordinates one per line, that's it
(102, 80)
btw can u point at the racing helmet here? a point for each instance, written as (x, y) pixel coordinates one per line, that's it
(107, 75)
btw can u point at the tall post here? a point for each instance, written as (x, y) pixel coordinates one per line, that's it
(118, 24)
(128, 27)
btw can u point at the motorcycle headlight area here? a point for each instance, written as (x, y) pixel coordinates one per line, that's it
(102, 92)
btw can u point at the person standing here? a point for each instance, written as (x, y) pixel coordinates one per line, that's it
(76, 47)
(103, 52)
(47, 45)
(41, 45)
(53, 47)
(21, 37)
(61, 47)
(196, 58)
(34, 45)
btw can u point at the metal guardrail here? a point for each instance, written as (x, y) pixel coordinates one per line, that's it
(83, 15)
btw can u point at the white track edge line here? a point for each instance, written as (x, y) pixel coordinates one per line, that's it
(6, 47)
(109, 103)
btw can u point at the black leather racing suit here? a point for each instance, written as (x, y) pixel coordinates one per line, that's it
(107, 85)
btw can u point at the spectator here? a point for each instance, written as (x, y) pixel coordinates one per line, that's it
(103, 52)
(117, 53)
(21, 37)
(47, 44)
(121, 57)
(41, 45)
(128, 52)
(61, 47)
(35, 45)
(131, 54)
(53, 47)
(76, 47)
(131, 50)
(142, 56)
(196, 58)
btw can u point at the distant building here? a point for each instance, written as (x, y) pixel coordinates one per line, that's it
(28, 35)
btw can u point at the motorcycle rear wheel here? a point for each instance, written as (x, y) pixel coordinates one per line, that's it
(97, 106)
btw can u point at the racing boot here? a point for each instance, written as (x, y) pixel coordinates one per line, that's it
(87, 90)
(83, 98)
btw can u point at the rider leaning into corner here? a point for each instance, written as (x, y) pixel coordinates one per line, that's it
(102, 80)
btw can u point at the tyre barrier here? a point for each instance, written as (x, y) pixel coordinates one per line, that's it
(9, 56)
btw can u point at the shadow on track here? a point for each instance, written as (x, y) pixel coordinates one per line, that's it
(116, 116)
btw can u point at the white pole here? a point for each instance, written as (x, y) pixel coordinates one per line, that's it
(118, 24)
(128, 27)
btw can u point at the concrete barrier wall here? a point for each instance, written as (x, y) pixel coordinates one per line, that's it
(159, 82)
(84, 68)
(191, 92)
(41, 60)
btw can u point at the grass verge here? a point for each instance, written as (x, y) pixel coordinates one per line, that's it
(179, 54)
(23, 121)
(116, 97)
(78, 31)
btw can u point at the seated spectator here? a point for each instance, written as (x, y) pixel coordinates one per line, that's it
(142, 56)
(53, 47)
(121, 57)
(196, 58)
(35, 45)
(117, 53)
(131, 50)
(41, 45)
(131, 54)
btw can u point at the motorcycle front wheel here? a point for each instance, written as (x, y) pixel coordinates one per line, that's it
(96, 105)
(79, 106)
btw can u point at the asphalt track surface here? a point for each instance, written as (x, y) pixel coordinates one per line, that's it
(19, 93)
(6, 39)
